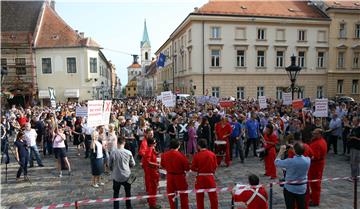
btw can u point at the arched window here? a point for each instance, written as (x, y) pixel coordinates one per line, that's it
(146, 56)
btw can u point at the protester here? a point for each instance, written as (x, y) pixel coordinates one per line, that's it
(251, 197)
(96, 160)
(30, 137)
(112, 140)
(22, 155)
(222, 133)
(296, 170)
(335, 132)
(60, 151)
(253, 134)
(78, 136)
(176, 165)
(270, 140)
(319, 148)
(121, 160)
(151, 173)
(191, 143)
(355, 147)
(205, 164)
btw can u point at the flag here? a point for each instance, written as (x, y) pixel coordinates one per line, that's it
(161, 60)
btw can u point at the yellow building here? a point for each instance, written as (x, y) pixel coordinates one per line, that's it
(241, 49)
(131, 88)
(344, 47)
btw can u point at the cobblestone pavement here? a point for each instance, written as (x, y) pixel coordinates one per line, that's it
(48, 188)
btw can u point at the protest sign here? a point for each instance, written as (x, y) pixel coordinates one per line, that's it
(287, 98)
(95, 111)
(214, 100)
(262, 102)
(81, 111)
(168, 99)
(106, 112)
(298, 104)
(52, 97)
(227, 104)
(321, 108)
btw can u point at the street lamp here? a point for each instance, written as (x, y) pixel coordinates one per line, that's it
(293, 71)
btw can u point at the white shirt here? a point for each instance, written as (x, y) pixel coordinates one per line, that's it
(87, 129)
(59, 142)
(99, 150)
(30, 137)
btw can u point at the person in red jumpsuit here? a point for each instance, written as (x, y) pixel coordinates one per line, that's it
(150, 166)
(176, 164)
(270, 140)
(222, 132)
(243, 197)
(205, 164)
(319, 148)
(149, 134)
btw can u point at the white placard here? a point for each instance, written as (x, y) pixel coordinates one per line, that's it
(262, 102)
(95, 111)
(106, 112)
(168, 99)
(214, 100)
(81, 111)
(321, 108)
(287, 98)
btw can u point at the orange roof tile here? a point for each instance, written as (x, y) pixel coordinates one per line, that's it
(55, 32)
(290, 9)
(340, 4)
(135, 65)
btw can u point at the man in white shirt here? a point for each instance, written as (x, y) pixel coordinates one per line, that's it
(30, 137)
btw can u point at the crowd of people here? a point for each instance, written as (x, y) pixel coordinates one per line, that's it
(189, 137)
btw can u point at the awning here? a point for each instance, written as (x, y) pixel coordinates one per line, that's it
(72, 93)
(44, 94)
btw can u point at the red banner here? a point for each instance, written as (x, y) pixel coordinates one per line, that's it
(298, 104)
(226, 104)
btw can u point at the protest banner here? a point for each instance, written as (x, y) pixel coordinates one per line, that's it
(106, 112)
(227, 104)
(168, 99)
(214, 100)
(287, 98)
(298, 104)
(81, 111)
(262, 102)
(95, 111)
(321, 108)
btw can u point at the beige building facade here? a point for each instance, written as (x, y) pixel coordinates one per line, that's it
(236, 52)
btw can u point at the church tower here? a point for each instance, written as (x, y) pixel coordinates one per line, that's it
(145, 48)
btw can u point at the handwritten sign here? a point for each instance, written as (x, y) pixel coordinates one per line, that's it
(321, 108)
(95, 111)
(287, 98)
(262, 102)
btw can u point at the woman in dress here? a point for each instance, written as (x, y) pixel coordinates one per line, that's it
(96, 159)
(270, 140)
(21, 154)
(78, 136)
(191, 143)
(112, 138)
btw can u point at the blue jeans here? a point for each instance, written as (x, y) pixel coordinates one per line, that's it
(239, 149)
(34, 150)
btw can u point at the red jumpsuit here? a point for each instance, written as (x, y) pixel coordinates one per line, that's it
(256, 203)
(151, 174)
(205, 163)
(143, 147)
(307, 153)
(269, 160)
(176, 164)
(220, 133)
(319, 148)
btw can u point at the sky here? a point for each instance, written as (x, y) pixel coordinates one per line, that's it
(117, 25)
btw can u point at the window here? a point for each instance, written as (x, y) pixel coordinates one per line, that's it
(20, 66)
(128, 89)
(355, 87)
(71, 64)
(319, 92)
(46, 65)
(260, 58)
(215, 58)
(280, 59)
(4, 63)
(279, 92)
(341, 60)
(240, 58)
(301, 92)
(134, 89)
(260, 91)
(357, 30)
(340, 84)
(215, 92)
(302, 35)
(356, 60)
(93, 65)
(301, 58)
(280, 35)
(146, 56)
(240, 93)
(320, 59)
(342, 30)
(240, 33)
(321, 36)
(261, 34)
(189, 60)
(215, 32)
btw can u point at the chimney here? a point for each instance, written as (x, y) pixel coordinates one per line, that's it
(81, 34)
(196, 9)
(52, 4)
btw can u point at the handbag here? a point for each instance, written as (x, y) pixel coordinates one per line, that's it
(131, 179)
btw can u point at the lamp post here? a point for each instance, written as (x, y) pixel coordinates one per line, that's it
(293, 71)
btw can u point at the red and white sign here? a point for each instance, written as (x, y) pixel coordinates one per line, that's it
(227, 104)
(95, 113)
(298, 104)
(106, 112)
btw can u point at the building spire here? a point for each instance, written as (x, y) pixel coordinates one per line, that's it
(145, 38)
